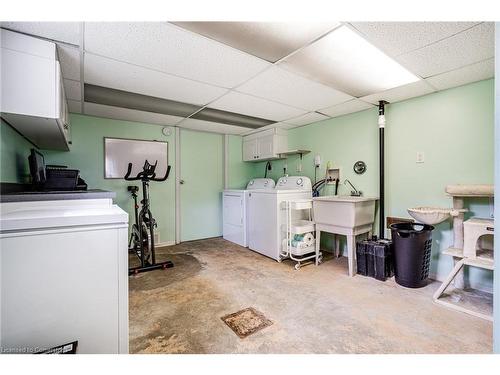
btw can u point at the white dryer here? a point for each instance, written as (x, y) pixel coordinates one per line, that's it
(234, 212)
(266, 215)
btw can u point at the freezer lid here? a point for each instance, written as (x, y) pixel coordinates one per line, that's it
(27, 216)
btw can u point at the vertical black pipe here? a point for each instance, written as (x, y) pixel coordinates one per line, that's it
(381, 124)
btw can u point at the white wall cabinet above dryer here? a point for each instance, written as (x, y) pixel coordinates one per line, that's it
(265, 145)
(32, 94)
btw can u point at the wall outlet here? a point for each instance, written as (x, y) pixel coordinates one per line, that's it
(420, 157)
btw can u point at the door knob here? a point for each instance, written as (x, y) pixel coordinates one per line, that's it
(181, 182)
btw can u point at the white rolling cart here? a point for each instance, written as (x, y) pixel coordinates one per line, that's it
(299, 222)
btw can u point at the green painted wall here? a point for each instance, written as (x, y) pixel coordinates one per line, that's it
(14, 151)
(87, 155)
(454, 129)
(239, 172)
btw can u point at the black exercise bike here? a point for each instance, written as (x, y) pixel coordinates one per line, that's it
(142, 241)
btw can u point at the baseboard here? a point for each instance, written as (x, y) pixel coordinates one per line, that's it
(162, 244)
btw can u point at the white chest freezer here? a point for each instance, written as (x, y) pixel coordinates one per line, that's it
(64, 275)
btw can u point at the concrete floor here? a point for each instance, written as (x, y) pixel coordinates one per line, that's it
(314, 310)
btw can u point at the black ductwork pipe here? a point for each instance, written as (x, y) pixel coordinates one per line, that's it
(381, 127)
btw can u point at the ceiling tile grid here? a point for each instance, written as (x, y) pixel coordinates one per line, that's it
(270, 41)
(470, 73)
(308, 118)
(396, 38)
(67, 32)
(126, 114)
(69, 59)
(115, 74)
(400, 93)
(73, 89)
(253, 106)
(170, 49)
(347, 62)
(468, 47)
(228, 65)
(351, 106)
(209, 126)
(282, 86)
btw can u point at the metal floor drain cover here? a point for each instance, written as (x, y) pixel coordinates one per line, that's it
(246, 321)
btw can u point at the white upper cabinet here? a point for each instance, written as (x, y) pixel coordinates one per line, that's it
(32, 93)
(265, 145)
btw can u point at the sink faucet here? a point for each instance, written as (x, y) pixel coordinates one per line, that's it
(354, 192)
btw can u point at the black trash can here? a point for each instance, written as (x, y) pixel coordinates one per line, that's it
(412, 244)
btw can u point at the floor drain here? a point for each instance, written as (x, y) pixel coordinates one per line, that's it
(246, 321)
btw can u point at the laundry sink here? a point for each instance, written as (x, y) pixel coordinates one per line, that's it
(344, 211)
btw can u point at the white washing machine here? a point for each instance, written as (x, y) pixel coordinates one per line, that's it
(266, 215)
(234, 212)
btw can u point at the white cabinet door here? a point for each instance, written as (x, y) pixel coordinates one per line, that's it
(265, 147)
(250, 150)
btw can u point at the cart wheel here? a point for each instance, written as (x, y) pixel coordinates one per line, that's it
(320, 260)
(280, 260)
(297, 266)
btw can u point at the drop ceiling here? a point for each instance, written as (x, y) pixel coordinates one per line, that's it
(230, 77)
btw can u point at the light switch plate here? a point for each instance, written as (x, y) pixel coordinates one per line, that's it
(420, 157)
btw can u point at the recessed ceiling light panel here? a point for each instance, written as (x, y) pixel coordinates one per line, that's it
(347, 62)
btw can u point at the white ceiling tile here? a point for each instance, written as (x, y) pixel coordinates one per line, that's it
(213, 127)
(118, 75)
(308, 118)
(284, 125)
(351, 106)
(346, 61)
(281, 125)
(270, 41)
(256, 107)
(170, 49)
(68, 32)
(397, 94)
(74, 106)
(288, 88)
(468, 47)
(396, 38)
(69, 58)
(73, 89)
(118, 113)
(470, 73)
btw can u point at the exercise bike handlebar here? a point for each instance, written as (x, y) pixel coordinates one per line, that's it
(148, 173)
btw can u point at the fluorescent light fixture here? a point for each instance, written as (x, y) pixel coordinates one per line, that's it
(270, 41)
(346, 61)
(125, 99)
(230, 118)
